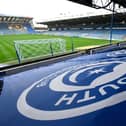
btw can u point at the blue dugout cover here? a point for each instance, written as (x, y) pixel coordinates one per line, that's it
(83, 91)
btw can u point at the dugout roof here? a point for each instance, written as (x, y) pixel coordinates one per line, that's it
(91, 2)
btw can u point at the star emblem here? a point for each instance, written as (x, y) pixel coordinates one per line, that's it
(96, 71)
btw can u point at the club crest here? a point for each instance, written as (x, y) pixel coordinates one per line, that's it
(75, 91)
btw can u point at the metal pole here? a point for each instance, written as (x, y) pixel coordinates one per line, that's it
(17, 53)
(51, 49)
(112, 21)
(72, 44)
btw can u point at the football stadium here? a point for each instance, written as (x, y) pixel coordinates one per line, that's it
(66, 70)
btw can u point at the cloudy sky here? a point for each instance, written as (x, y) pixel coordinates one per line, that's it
(46, 9)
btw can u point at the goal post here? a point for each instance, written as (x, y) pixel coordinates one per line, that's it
(28, 49)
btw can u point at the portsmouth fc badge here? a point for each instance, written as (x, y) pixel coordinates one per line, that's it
(75, 91)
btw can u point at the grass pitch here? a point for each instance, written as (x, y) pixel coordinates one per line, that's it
(8, 53)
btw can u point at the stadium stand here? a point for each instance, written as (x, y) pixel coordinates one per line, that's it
(71, 89)
(89, 27)
(118, 34)
(29, 28)
(15, 25)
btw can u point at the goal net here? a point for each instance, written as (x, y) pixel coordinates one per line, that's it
(28, 49)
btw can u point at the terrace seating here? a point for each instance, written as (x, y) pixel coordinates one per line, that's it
(118, 34)
(12, 29)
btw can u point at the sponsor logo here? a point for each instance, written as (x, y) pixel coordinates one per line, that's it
(75, 91)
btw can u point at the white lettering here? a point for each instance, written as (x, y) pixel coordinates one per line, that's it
(102, 90)
(65, 98)
(86, 97)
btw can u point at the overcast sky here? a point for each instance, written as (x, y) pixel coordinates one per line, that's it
(46, 9)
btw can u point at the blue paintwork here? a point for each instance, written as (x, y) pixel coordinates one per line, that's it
(43, 98)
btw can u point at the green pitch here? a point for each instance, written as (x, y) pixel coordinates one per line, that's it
(8, 53)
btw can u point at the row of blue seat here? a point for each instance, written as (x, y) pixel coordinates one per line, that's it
(118, 34)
